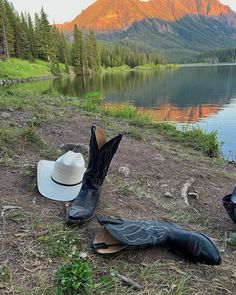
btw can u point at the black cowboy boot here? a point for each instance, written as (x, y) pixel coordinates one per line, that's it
(229, 203)
(100, 156)
(119, 234)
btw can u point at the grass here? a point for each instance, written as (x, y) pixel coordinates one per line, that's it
(133, 133)
(5, 274)
(232, 240)
(123, 68)
(127, 112)
(15, 140)
(146, 67)
(60, 242)
(15, 68)
(193, 137)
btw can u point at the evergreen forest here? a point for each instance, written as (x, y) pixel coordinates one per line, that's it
(24, 37)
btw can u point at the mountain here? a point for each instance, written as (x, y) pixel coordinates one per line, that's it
(180, 41)
(112, 15)
(180, 28)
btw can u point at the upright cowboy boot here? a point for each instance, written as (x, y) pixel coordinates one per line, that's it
(100, 156)
(229, 203)
(118, 235)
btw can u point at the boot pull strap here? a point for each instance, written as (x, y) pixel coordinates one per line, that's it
(100, 246)
(104, 220)
(103, 246)
(100, 137)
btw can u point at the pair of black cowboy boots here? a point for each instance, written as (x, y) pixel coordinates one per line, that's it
(119, 234)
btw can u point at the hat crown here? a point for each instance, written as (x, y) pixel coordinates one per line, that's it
(69, 169)
(71, 160)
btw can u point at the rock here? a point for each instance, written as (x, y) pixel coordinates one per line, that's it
(75, 147)
(193, 195)
(125, 171)
(168, 195)
(159, 157)
(5, 115)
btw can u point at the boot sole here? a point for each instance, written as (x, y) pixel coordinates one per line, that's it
(77, 222)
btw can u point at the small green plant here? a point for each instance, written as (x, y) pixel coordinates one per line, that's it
(60, 242)
(5, 274)
(232, 240)
(36, 120)
(74, 278)
(133, 134)
(128, 112)
(17, 216)
(92, 101)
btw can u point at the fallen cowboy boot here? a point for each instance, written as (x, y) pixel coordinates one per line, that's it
(118, 235)
(229, 203)
(100, 156)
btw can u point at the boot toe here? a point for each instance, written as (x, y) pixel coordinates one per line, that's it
(78, 214)
(208, 254)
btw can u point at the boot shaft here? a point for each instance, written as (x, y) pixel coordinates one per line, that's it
(101, 153)
(133, 234)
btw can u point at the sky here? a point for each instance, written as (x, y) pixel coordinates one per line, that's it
(60, 11)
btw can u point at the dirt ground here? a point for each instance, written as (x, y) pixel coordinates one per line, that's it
(156, 166)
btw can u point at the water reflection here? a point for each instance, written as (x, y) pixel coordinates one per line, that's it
(193, 94)
(171, 113)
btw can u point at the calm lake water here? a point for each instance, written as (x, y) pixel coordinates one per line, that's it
(204, 96)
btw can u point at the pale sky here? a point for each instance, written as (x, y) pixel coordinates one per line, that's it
(60, 11)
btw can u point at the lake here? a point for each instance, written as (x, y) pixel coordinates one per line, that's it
(203, 96)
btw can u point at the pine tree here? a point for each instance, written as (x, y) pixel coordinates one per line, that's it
(25, 42)
(31, 37)
(93, 54)
(4, 53)
(77, 52)
(44, 36)
(45, 42)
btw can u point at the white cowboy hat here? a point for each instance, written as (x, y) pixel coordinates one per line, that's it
(61, 180)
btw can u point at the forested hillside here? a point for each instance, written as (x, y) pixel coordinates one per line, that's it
(180, 41)
(218, 56)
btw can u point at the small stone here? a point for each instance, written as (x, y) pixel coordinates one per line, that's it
(159, 157)
(168, 195)
(193, 195)
(75, 147)
(5, 115)
(125, 171)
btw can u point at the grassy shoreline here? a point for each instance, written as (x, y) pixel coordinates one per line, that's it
(147, 67)
(16, 69)
(193, 137)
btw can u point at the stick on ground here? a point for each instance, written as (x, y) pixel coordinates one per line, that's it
(128, 281)
(184, 190)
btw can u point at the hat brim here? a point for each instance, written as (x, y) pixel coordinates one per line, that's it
(50, 189)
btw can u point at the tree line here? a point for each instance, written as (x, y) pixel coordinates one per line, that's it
(226, 55)
(24, 37)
